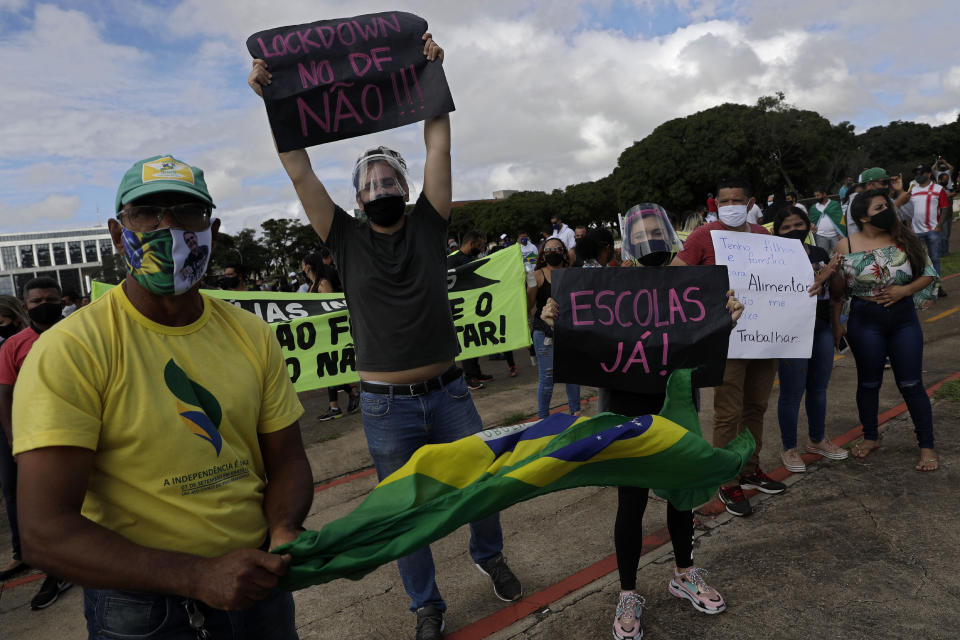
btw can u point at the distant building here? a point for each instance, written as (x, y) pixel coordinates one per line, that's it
(503, 194)
(69, 257)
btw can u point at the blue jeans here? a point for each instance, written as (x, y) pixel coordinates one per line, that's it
(8, 483)
(945, 228)
(545, 379)
(932, 240)
(810, 375)
(124, 614)
(396, 426)
(874, 332)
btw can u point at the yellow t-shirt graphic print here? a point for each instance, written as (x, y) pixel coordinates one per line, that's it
(204, 423)
(172, 413)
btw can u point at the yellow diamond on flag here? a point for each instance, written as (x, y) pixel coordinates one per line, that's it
(167, 169)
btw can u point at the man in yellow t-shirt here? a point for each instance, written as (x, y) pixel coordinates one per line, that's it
(156, 431)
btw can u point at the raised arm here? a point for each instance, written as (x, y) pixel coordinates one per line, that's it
(437, 181)
(316, 202)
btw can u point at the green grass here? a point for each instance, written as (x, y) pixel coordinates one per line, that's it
(950, 264)
(950, 391)
(515, 418)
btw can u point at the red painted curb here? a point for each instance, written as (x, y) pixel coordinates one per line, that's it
(542, 599)
(10, 584)
(353, 476)
(952, 275)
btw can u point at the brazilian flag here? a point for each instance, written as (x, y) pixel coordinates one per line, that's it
(445, 486)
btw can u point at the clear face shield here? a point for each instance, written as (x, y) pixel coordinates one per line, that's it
(380, 173)
(648, 236)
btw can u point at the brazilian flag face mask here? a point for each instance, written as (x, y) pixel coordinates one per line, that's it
(167, 261)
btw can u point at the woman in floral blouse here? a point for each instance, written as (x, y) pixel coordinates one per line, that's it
(886, 272)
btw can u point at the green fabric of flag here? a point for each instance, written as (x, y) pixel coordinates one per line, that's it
(445, 486)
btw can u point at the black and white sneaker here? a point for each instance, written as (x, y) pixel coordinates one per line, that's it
(429, 623)
(505, 584)
(354, 403)
(331, 414)
(50, 590)
(735, 502)
(760, 481)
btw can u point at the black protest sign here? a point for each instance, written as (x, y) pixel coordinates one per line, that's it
(627, 328)
(337, 79)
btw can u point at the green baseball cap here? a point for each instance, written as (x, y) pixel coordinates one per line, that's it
(158, 174)
(874, 173)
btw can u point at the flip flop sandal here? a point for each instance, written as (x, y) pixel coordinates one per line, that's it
(926, 461)
(860, 452)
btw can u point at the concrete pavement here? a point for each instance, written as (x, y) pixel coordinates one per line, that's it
(854, 549)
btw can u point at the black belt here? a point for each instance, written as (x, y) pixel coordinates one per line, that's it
(415, 388)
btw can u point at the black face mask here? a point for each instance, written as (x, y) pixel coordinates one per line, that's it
(654, 259)
(46, 313)
(657, 253)
(385, 212)
(553, 259)
(229, 282)
(8, 330)
(883, 219)
(796, 234)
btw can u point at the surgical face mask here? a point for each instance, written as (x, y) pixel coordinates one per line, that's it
(733, 215)
(385, 212)
(524, 241)
(883, 219)
(46, 313)
(796, 234)
(556, 226)
(230, 281)
(167, 261)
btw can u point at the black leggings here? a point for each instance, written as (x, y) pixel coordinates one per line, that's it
(632, 501)
(332, 391)
(628, 537)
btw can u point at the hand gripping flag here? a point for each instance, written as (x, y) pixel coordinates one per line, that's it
(445, 486)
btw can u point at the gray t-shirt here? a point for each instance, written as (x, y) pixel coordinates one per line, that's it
(396, 290)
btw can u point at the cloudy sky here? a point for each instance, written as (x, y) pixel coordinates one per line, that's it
(548, 92)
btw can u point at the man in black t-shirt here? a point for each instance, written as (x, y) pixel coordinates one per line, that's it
(394, 275)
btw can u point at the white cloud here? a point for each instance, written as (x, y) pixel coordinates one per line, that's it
(544, 99)
(54, 209)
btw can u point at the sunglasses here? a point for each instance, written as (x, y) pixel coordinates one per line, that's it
(553, 250)
(191, 216)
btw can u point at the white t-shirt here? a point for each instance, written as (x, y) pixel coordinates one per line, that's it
(566, 235)
(304, 288)
(755, 215)
(926, 203)
(851, 224)
(825, 226)
(800, 206)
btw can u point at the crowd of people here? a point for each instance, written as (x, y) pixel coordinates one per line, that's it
(153, 437)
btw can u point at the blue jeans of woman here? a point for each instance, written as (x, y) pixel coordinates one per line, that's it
(545, 379)
(875, 332)
(810, 376)
(114, 614)
(396, 426)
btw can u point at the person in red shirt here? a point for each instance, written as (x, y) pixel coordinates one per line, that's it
(42, 299)
(741, 401)
(711, 204)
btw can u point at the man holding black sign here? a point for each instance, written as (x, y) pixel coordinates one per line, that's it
(394, 275)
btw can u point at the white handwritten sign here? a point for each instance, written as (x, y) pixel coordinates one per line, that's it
(770, 276)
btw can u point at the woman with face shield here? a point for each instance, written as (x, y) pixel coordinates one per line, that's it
(648, 236)
(649, 240)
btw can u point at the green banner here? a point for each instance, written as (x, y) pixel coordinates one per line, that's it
(487, 298)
